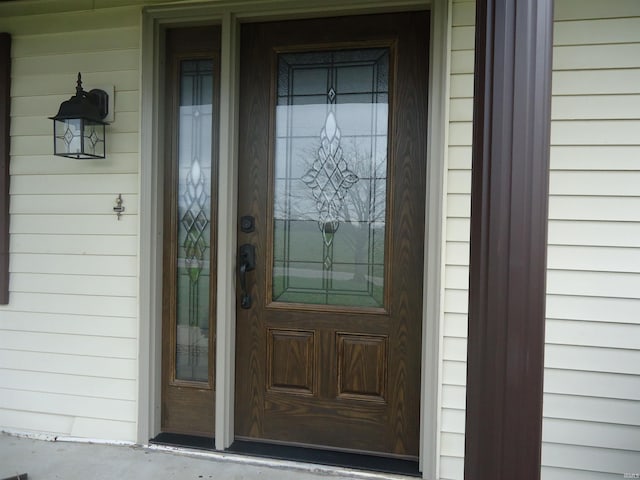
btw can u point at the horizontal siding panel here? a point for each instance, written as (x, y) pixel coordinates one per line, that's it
(459, 182)
(72, 21)
(461, 85)
(592, 107)
(588, 57)
(452, 444)
(74, 304)
(597, 157)
(557, 473)
(462, 61)
(461, 110)
(81, 345)
(592, 384)
(62, 204)
(454, 372)
(36, 422)
(596, 82)
(75, 224)
(71, 63)
(455, 325)
(74, 284)
(104, 408)
(451, 468)
(113, 245)
(602, 309)
(575, 9)
(586, 233)
(115, 163)
(108, 429)
(460, 133)
(568, 107)
(463, 13)
(64, 363)
(69, 384)
(456, 301)
(457, 277)
(459, 157)
(595, 183)
(593, 284)
(26, 90)
(463, 38)
(593, 359)
(69, 324)
(591, 434)
(454, 396)
(458, 229)
(43, 144)
(74, 184)
(619, 209)
(94, 265)
(597, 31)
(457, 253)
(78, 41)
(454, 349)
(453, 421)
(605, 259)
(589, 458)
(603, 410)
(593, 334)
(595, 132)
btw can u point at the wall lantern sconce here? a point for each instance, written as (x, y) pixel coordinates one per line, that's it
(79, 126)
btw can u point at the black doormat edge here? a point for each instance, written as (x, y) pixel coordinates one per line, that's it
(334, 458)
(357, 461)
(180, 440)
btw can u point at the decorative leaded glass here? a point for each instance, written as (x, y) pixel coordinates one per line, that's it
(330, 177)
(194, 213)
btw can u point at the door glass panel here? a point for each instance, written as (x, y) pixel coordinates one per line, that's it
(330, 177)
(194, 214)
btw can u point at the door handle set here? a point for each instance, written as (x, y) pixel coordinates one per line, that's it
(246, 263)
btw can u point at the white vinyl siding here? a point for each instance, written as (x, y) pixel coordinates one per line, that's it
(591, 424)
(68, 338)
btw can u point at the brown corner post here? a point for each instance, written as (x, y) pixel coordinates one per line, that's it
(5, 120)
(508, 239)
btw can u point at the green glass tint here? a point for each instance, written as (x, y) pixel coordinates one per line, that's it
(194, 214)
(331, 177)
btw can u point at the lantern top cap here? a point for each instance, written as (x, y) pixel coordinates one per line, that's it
(91, 106)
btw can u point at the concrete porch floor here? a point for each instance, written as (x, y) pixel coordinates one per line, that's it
(70, 460)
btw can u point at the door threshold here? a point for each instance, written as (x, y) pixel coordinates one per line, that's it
(184, 441)
(357, 461)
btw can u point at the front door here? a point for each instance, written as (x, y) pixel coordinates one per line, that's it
(332, 161)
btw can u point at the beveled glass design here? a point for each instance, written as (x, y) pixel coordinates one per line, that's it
(193, 222)
(330, 177)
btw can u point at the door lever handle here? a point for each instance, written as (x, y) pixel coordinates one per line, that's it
(246, 263)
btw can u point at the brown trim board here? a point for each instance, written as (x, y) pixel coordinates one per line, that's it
(509, 199)
(5, 121)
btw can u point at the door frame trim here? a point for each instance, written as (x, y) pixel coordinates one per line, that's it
(230, 15)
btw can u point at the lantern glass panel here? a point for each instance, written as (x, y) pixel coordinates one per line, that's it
(68, 137)
(93, 139)
(79, 138)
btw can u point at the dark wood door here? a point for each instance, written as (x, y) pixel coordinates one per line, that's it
(333, 127)
(189, 240)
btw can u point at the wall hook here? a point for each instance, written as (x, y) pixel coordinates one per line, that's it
(119, 208)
